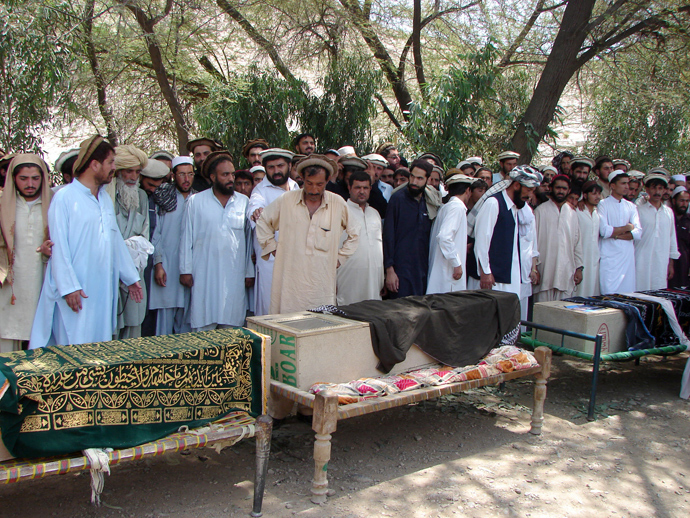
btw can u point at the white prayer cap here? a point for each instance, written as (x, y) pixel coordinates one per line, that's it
(659, 169)
(551, 168)
(257, 168)
(155, 169)
(475, 160)
(463, 164)
(620, 161)
(655, 176)
(179, 160)
(634, 173)
(617, 172)
(505, 155)
(347, 151)
(678, 190)
(582, 160)
(460, 178)
(679, 178)
(276, 152)
(376, 159)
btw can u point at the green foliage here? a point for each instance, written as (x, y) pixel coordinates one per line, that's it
(644, 133)
(260, 104)
(641, 109)
(342, 114)
(472, 110)
(34, 77)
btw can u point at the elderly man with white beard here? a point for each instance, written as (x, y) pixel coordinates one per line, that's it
(132, 215)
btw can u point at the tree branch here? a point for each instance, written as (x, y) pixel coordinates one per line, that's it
(208, 66)
(257, 38)
(653, 22)
(388, 112)
(166, 12)
(538, 9)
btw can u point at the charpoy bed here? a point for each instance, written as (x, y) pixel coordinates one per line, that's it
(126, 400)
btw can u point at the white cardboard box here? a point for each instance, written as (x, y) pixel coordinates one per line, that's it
(308, 348)
(608, 322)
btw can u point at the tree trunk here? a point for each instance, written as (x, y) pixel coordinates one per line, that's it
(101, 92)
(417, 47)
(560, 67)
(167, 89)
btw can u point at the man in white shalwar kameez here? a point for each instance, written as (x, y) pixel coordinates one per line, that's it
(588, 218)
(361, 277)
(168, 297)
(494, 221)
(215, 250)
(656, 249)
(560, 250)
(448, 248)
(78, 302)
(619, 225)
(277, 182)
(24, 246)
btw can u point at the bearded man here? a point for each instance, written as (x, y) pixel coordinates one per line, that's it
(168, 297)
(679, 202)
(276, 183)
(252, 151)
(24, 243)
(132, 215)
(560, 263)
(79, 298)
(215, 249)
(406, 235)
(495, 223)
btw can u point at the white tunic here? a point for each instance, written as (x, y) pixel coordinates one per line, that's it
(214, 249)
(362, 276)
(560, 250)
(617, 256)
(589, 235)
(89, 254)
(448, 248)
(27, 270)
(484, 230)
(166, 240)
(656, 246)
(263, 195)
(528, 251)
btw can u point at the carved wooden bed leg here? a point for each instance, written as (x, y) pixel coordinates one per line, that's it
(324, 424)
(264, 428)
(543, 356)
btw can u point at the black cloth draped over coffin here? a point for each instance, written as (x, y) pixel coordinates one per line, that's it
(457, 328)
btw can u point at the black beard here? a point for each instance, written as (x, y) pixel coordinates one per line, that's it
(222, 189)
(517, 199)
(414, 190)
(558, 199)
(277, 182)
(577, 183)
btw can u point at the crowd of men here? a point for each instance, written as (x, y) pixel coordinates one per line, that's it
(131, 245)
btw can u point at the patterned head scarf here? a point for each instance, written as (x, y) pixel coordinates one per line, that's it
(556, 161)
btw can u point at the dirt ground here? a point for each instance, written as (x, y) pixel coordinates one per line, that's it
(467, 455)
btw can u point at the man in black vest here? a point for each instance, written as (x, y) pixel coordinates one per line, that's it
(496, 230)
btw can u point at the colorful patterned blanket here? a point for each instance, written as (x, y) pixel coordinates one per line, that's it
(500, 360)
(124, 393)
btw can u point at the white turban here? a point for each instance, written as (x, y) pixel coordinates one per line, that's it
(130, 157)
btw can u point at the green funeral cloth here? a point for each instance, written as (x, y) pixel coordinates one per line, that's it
(128, 392)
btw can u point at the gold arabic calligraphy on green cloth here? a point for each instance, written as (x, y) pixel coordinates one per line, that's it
(124, 393)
